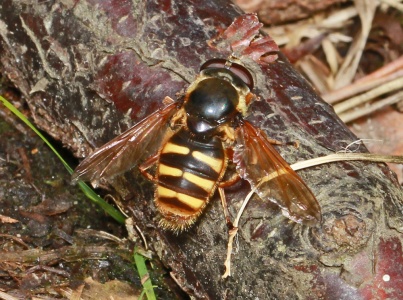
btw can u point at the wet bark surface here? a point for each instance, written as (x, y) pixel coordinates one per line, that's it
(91, 69)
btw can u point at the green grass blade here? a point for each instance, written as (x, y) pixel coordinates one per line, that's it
(109, 209)
(140, 261)
(27, 122)
(89, 192)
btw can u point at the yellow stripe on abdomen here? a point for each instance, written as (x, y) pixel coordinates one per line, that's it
(190, 201)
(193, 202)
(205, 184)
(215, 163)
(173, 148)
(166, 170)
(164, 192)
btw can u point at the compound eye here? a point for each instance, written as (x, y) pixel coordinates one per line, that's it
(242, 73)
(214, 63)
(237, 69)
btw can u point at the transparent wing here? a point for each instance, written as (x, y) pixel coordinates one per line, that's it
(260, 164)
(126, 150)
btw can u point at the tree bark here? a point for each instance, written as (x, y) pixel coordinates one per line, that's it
(281, 11)
(91, 69)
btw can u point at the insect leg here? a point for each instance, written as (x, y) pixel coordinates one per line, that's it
(234, 178)
(151, 161)
(275, 142)
(168, 100)
(225, 208)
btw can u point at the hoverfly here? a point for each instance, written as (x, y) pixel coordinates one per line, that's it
(190, 140)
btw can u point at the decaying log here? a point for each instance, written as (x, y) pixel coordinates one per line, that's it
(91, 69)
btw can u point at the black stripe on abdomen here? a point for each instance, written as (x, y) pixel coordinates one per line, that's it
(188, 172)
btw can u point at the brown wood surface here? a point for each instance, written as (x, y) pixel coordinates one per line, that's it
(90, 69)
(275, 12)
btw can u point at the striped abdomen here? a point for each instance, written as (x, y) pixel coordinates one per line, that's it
(187, 175)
